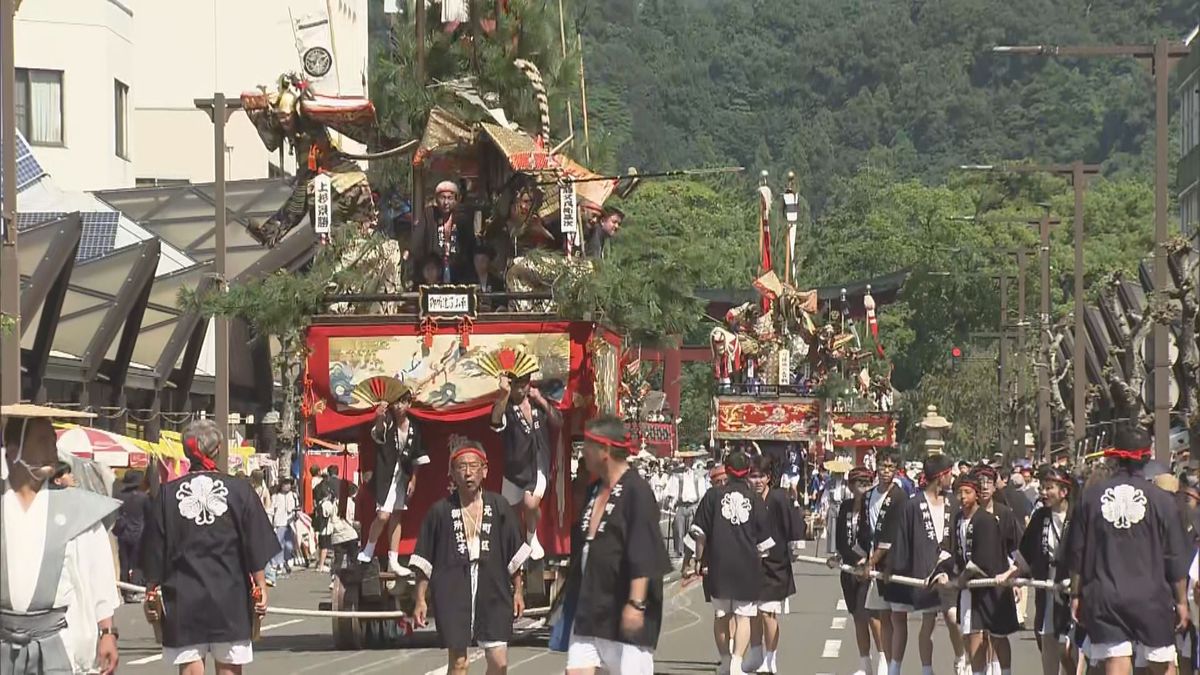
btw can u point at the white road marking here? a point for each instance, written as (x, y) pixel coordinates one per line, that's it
(148, 659)
(838, 623)
(841, 606)
(473, 655)
(832, 648)
(281, 624)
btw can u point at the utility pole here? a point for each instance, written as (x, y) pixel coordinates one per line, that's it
(1022, 324)
(1004, 444)
(1162, 56)
(219, 109)
(1078, 172)
(10, 273)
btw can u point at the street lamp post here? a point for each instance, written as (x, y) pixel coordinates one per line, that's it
(1161, 55)
(10, 273)
(219, 109)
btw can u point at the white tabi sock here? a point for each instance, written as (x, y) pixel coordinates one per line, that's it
(894, 668)
(772, 666)
(994, 668)
(735, 664)
(882, 667)
(367, 554)
(926, 670)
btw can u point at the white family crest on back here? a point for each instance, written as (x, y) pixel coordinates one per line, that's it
(735, 508)
(1123, 506)
(203, 499)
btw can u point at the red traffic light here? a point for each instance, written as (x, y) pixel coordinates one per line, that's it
(956, 352)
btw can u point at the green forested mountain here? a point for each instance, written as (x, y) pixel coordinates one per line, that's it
(817, 85)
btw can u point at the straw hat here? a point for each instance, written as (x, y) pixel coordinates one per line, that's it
(31, 411)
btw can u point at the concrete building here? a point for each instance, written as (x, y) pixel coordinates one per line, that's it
(1188, 172)
(106, 88)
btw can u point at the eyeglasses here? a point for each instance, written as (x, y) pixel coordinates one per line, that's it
(468, 466)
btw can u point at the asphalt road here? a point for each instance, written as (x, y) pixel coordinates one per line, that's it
(817, 639)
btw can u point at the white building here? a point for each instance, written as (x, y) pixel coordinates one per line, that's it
(106, 88)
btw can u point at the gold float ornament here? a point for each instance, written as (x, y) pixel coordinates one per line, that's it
(379, 389)
(509, 361)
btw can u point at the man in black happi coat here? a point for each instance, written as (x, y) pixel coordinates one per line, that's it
(1128, 560)
(470, 551)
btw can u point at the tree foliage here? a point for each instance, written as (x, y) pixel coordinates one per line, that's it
(819, 85)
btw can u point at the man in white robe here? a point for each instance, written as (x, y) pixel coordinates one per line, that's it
(57, 579)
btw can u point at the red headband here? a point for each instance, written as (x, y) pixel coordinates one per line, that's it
(1140, 453)
(468, 450)
(737, 473)
(941, 473)
(602, 440)
(192, 450)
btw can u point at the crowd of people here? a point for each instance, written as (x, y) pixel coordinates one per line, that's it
(1117, 544)
(450, 244)
(1119, 547)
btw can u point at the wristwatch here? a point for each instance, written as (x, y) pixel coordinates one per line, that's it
(109, 631)
(639, 605)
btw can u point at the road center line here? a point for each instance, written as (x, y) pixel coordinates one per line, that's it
(838, 623)
(832, 648)
(841, 606)
(148, 659)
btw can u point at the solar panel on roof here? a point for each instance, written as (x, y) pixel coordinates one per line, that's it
(28, 168)
(99, 233)
(99, 229)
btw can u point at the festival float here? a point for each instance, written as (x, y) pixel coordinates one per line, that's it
(793, 366)
(445, 344)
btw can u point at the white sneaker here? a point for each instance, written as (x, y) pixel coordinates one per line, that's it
(536, 552)
(398, 569)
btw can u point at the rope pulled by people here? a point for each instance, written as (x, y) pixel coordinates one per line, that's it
(334, 614)
(834, 562)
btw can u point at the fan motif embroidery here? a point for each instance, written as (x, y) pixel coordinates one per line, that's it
(203, 500)
(735, 508)
(1123, 506)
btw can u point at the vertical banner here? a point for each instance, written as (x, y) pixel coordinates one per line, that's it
(323, 205)
(568, 215)
(785, 367)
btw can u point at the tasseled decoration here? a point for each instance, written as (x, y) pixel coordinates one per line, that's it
(428, 328)
(465, 324)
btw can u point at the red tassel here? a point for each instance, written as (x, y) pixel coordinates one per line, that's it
(465, 324)
(313, 152)
(428, 328)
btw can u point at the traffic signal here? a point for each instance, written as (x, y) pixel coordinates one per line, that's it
(956, 354)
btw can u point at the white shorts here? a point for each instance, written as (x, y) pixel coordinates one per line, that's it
(736, 607)
(616, 658)
(786, 481)
(492, 645)
(514, 494)
(1141, 653)
(875, 601)
(229, 653)
(774, 607)
(397, 496)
